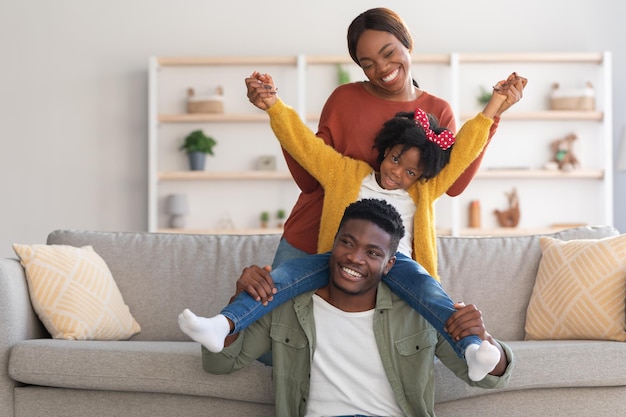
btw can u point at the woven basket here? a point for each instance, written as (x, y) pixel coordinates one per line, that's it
(573, 103)
(577, 99)
(210, 104)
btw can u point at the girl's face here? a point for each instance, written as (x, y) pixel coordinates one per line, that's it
(385, 62)
(399, 170)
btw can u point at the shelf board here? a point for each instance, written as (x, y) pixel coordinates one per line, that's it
(259, 231)
(507, 231)
(227, 60)
(213, 117)
(465, 58)
(314, 117)
(223, 175)
(547, 115)
(547, 57)
(524, 173)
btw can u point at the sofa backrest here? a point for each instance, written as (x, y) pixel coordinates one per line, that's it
(498, 274)
(160, 274)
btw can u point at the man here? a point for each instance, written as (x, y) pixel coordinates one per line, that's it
(353, 347)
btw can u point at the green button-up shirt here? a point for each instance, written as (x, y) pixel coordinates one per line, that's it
(407, 344)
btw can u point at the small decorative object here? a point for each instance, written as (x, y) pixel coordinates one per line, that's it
(509, 217)
(265, 218)
(343, 76)
(226, 223)
(280, 216)
(573, 98)
(563, 154)
(205, 104)
(474, 214)
(484, 96)
(177, 206)
(266, 163)
(198, 145)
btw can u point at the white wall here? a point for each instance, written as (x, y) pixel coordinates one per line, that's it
(73, 83)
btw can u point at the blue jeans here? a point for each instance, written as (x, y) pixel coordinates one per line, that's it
(407, 279)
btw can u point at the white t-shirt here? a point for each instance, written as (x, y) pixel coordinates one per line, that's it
(347, 374)
(402, 202)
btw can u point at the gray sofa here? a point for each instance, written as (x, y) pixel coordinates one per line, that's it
(158, 372)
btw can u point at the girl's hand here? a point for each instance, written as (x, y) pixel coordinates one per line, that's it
(261, 90)
(512, 89)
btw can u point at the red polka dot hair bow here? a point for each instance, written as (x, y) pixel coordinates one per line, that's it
(445, 139)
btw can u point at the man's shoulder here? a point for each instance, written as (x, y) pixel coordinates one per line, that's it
(387, 299)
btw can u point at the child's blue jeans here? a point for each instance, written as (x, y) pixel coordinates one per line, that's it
(407, 279)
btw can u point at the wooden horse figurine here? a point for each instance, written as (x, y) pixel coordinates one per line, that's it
(509, 217)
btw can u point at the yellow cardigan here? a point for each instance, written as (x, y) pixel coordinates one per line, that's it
(341, 177)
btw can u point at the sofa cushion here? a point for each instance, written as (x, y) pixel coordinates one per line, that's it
(580, 290)
(74, 294)
(161, 274)
(548, 364)
(164, 367)
(176, 368)
(473, 269)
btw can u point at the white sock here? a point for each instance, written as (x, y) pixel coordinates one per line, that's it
(481, 359)
(210, 332)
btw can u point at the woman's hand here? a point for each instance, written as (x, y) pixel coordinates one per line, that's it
(512, 88)
(261, 90)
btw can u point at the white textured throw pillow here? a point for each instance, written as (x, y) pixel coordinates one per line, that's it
(74, 294)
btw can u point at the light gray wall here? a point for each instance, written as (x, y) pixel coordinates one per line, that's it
(73, 83)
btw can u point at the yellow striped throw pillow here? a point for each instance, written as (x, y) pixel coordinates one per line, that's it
(74, 294)
(580, 290)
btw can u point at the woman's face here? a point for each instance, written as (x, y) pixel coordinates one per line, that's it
(399, 170)
(385, 62)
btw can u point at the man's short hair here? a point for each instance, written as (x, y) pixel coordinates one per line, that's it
(379, 212)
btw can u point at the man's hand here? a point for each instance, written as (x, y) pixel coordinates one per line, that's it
(468, 320)
(257, 282)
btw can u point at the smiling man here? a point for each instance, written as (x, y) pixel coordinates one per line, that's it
(353, 347)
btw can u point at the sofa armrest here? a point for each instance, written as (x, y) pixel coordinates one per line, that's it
(18, 321)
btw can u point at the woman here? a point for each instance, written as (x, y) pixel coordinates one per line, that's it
(379, 42)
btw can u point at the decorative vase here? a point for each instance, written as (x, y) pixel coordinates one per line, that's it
(196, 160)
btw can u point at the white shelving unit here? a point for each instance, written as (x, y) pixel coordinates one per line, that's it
(231, 190)
(549, 200)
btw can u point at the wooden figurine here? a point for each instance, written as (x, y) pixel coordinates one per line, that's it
(509, 217)
(563, 154)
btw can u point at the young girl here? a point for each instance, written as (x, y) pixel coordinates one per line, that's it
(416, 167)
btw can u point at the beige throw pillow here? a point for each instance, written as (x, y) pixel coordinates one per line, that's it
(580, 290)
(74, 294)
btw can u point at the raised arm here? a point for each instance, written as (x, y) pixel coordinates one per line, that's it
(474, 134)
(262, 93)
(514, 86)
(312, 153)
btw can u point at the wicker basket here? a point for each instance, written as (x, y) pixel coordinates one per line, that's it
(576, 99)
(209, 104)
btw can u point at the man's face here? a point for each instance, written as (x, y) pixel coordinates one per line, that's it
(359, 258)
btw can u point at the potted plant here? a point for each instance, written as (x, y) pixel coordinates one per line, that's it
(484, 96)
(265, 218)
(280, 215)
(198, 145)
